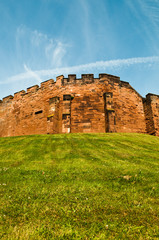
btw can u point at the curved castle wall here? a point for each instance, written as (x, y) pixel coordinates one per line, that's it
(88, 104)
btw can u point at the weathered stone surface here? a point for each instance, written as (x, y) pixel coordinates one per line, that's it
(89, 104)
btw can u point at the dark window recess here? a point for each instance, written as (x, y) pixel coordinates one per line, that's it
(66, 97)
(108, 94)
(38, 112)
(114, 121)
(64, 116)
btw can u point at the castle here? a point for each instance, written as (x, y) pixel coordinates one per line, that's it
(71, 105)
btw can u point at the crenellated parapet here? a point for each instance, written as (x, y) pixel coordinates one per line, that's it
(18, 94)
(151, 96)
(30, 90)
(47, 83)
(7, 99)
(88, 79)
(62, 81)
(112, 78)
(79, 104)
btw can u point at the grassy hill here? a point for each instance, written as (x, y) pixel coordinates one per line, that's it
(79, 186)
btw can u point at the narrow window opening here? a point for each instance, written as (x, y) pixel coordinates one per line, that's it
(114, 120)
(64, 116)
(38, 112)
(66, 97)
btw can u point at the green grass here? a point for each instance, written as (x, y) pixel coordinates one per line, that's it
(79, 186)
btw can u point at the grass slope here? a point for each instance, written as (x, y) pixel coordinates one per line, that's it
(79, 186)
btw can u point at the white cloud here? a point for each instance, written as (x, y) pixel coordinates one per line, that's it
(86, 28)
(147, 10)
(37, 49)
(151, 10)
(38, 38)
(58, 54)
(90, 67)
(32, 74)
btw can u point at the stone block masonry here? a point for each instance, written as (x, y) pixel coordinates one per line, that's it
(76, 105)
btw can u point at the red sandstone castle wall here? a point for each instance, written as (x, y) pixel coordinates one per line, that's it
(89, 104)
(151, 106)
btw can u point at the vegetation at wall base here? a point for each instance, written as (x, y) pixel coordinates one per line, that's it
(79, 186)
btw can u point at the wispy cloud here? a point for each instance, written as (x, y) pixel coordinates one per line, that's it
(86, 25)
(58, 54)
(90, 67)
(32, 74)
(147, 15)
(36, 48)
(151, 10)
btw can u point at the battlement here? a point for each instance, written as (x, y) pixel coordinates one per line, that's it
(32, 89)
(7, 99)
(151, 95)
(88, 79)
(47, 83)
(62, 81)
(79, 104)
(20, 93)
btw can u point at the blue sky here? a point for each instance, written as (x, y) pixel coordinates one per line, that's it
(41, 39)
